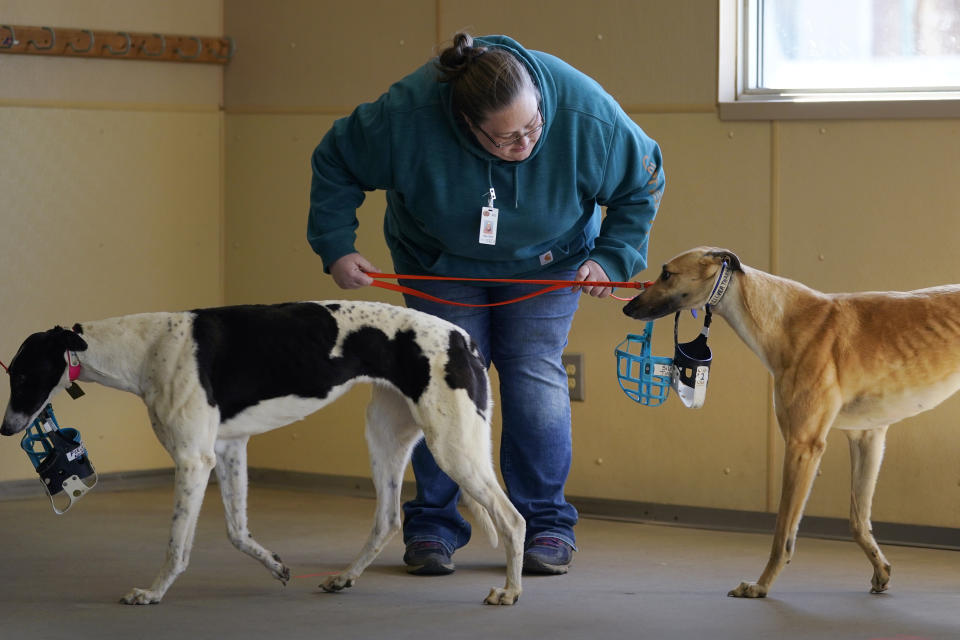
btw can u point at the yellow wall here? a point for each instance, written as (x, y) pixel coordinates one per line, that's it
(840, 205)
(878, 200)
(110, 200)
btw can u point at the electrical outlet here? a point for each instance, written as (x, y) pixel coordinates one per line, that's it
(573, 364)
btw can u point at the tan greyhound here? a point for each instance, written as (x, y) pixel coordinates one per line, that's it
(852, 361)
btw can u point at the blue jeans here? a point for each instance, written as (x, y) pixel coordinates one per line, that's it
(524, 341)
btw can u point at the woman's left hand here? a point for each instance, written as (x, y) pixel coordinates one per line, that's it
(590, 271)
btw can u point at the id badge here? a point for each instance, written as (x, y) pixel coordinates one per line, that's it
(488, 225)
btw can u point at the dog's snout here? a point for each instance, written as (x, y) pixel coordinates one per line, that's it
(642, 309)
(630, 308)
(637, 307)
(13, 424)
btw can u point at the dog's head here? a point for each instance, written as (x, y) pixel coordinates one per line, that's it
(684, 283)
(37, 372)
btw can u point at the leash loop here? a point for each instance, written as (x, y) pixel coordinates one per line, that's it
(420, 294)
(550, 285)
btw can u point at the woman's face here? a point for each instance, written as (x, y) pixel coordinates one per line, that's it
(516, 128)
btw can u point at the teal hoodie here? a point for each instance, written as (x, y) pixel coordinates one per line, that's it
(437, 178)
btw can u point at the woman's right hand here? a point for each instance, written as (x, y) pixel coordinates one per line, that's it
(349, 271)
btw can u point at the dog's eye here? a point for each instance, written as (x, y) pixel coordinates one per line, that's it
(665, 275)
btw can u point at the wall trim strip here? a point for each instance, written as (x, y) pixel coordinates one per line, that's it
(888, 533)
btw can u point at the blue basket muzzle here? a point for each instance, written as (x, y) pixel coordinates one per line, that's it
(60, 459)
(645, 378)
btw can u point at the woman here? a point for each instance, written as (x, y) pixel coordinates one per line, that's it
(496, 161)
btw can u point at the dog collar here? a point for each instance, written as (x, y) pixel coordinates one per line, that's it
(720, 286)
(73, 365)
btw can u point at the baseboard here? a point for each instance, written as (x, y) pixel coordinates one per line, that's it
(114, 481)
(890, 533)
(325, 483)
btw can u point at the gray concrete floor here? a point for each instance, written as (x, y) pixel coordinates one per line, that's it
(62, 577)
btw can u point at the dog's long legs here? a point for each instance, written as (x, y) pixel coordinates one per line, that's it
(462, 449)
(805, 443)
(190, 481)
(391, 434)
(232, 475)
(191, 445)
(866, 454)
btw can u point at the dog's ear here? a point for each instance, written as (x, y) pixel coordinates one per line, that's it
(727, 256)
(71, 340)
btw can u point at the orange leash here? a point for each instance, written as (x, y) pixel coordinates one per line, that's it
(551, 285)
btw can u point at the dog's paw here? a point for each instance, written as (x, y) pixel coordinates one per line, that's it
(141, 596)
(881, 580)
(748, 590)
(274, 565)
(502, 596)
(281, 573)
(336, 583)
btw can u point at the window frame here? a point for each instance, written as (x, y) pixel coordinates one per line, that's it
(736, 102)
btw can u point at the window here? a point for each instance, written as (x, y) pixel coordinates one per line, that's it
(849, 58)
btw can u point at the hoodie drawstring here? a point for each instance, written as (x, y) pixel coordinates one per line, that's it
(516, 182)
(516, 186)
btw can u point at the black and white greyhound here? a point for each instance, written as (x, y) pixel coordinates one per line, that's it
(211, 378)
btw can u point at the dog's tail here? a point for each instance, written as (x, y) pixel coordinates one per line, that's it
(482, 518)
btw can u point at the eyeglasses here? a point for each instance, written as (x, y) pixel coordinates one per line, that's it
(514, 140)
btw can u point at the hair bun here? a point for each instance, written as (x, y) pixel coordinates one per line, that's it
(454, 60)
(483, 80)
